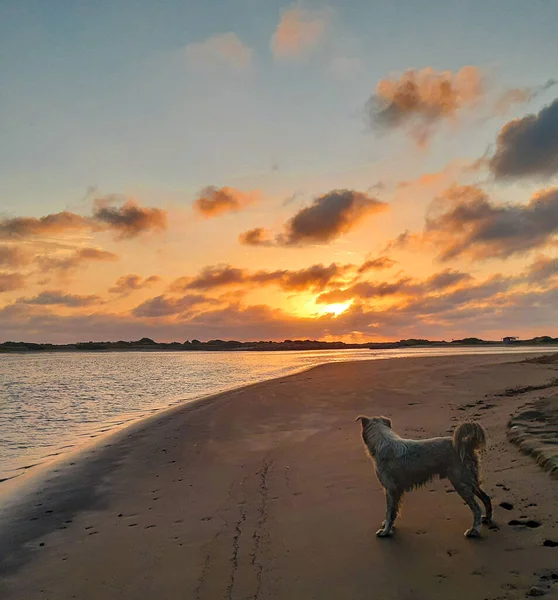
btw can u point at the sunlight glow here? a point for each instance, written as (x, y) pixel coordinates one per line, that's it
(336, 309)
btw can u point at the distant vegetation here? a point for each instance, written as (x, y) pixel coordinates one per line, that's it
(147, 344)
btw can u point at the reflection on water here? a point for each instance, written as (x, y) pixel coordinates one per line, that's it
(48, 402)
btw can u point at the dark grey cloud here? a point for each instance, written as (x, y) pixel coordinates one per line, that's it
(328, 217)
(465, 221)
(528, 147)
(129, 219)
(59, 298)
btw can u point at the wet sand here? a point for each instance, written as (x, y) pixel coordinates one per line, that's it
(266, 492)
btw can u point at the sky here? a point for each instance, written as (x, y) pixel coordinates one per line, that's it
(265, 170)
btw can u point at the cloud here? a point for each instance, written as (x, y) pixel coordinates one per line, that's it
(383, 262)
(12, 257)
(327, 218)
(78, 259)
(418, 101)
(446, 279)
(11, 281)
(528, 147)
(299, 32)
(366, 289)
(310, 278)
(542, 270)
(520, 96)
(223, 50)
(164, 306)
(488, 308)
(22, 227)
(256, 237)
(129, 283)
(59, 298)
(130, 219)
(127, 221)
(464, 221)
(213, 202)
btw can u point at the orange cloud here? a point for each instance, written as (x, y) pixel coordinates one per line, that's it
(383, 262)
(465, 221)
(129, 283)
(418, 101)
(310, 278)
(12, 256)
(127, 221)
(299, 32)
(213, 202)
(11, 281)
(78, 259)
(59, 298)
(328, 217)
(220, 50)
(22, 227)
(256, 237)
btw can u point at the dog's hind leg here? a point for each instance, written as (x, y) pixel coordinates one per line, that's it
(485, 499)
(393, 499)
(468, 494)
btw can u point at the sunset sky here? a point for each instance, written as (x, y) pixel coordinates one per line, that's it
(363, 171)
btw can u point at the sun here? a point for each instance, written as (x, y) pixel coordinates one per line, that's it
(337, 308)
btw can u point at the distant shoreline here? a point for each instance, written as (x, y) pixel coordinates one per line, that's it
(149, 345)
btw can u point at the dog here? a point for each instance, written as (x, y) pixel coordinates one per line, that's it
(404, 464)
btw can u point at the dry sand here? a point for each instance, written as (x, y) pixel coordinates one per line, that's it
(266, 492)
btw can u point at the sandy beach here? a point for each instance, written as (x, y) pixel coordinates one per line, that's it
(266, 492)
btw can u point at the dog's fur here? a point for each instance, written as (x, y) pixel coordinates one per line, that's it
(403, 465)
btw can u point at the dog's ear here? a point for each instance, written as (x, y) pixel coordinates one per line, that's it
(386, 421)
(363, 420)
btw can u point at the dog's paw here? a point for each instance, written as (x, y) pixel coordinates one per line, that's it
(384, 533)
(472, 533)
(486, 521)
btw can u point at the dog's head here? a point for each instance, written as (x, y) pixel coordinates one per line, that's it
(368, 421)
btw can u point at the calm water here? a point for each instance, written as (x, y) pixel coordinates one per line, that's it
(52, 402)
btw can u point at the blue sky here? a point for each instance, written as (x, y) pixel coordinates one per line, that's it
(95, 94)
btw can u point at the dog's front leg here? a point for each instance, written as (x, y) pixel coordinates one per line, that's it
(393, 497)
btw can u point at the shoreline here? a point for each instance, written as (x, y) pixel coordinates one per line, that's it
(75, 444)
(260, 434)
(377, 346)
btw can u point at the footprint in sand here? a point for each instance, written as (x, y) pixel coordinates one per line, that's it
(531, 523)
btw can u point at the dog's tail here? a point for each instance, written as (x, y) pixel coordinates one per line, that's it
(467, 439)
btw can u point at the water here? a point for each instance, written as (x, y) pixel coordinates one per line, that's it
(52, 402)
